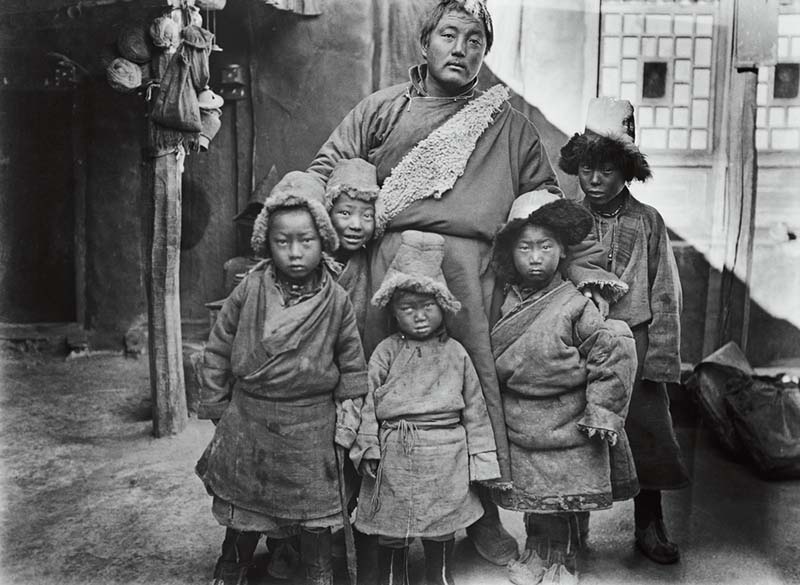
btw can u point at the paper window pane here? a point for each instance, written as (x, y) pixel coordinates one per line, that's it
(630, 47)
(680, 117)
(645, 117)
(683, 47)
(658, 24)
(777, 117)
(649, 46)
(702, 52)
(610, 82)
(683, 24)
(699, 139)
(763, 74)
(632, 24)
(611, 46)
(762, 139)
(705, 25)
(612, 23)
(785, 139)
(665, 47)
(761, 94)
(699, 113)
(629, 92)
(784, 50)
(678, 139)
(630, 69)
(701, 85)
(680, 94)
(683, 68)
(662, 117)
(788, 24)
(653, 138)
(796, 47)
(761, 117)
(793, 117)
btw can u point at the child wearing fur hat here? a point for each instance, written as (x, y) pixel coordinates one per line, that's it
(282, 355)
(565, 376)
(634, 237)
(425, 432)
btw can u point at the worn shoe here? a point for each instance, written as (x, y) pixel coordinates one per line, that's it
(283, 561)
(492, 541)
(557, 574)
(230, 573)
(654, 543)
(527, 570)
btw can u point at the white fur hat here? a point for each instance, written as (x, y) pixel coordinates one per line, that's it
(417, 267)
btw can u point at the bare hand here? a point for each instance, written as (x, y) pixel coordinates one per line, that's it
(593, 292)
(368, 467)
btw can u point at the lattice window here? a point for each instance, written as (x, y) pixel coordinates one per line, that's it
(778, 113)
(660, 56)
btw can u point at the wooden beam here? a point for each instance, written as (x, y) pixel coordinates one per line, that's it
(162, 193)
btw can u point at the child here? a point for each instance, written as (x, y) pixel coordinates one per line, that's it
(565, 376)
(282, 355)
(637, 248)
(350, 198)
(425, 432)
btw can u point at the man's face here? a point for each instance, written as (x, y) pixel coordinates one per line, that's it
(454, 53)
(600, 183)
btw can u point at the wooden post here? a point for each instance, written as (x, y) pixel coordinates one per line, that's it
(163, 214)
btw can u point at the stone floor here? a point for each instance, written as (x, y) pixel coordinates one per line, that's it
(90, 497)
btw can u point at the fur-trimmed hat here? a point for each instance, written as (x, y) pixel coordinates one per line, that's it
(296, 189)
(608, 137)
(417, 267)
(569, 221)
(355, 178)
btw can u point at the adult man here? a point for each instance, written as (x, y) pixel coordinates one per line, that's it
(451, 159)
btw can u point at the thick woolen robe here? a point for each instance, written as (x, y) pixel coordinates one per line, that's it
(638, 250)
(273, 373)
(354, 278)
(561, 365)
(425, 419)
(509, 159)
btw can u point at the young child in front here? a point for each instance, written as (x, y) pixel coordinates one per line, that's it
(634, 237)
(425, 431)
(283, 353)
(565, 376)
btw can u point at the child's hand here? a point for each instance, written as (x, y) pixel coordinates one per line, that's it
(597, 297)
(368, 467)
(609, 436)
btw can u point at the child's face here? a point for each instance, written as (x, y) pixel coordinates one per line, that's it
(601, 183)
(354, 221)
(536, 256)
(294, 243)
(418, 315)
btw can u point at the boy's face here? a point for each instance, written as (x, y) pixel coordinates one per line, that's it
(418, 315)
(536, 256)
(294, 243)
(454, 53)
(600, 183)
(354, 221)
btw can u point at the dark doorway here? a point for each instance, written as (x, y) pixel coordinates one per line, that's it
(37, 269)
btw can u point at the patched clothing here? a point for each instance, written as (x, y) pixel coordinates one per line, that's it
(425, 419)
(561, 366)
(273, 371)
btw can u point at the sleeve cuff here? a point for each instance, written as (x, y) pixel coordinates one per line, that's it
(344, 436)
(352, 385)
(359, 452)
(483, 466)
(596, 417)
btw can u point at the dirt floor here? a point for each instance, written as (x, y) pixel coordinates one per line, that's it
(90, 497)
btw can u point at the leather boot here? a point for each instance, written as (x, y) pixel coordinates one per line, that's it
(438, 560)
(315, 557)
(392, 565)
(237, 557)
(651, 534)
(490, 539)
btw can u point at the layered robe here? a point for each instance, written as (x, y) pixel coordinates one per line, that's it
(562, 367)
(273, 373)
(637, 249)
(508, 159)
(426, 421)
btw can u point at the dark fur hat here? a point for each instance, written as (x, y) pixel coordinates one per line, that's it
(569, 221)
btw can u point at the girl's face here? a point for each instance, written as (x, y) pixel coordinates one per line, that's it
(537, 254)
(354, 221)
(418, 315)
(295, 245)
(600, 183)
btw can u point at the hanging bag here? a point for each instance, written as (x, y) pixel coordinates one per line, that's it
(176, 106)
